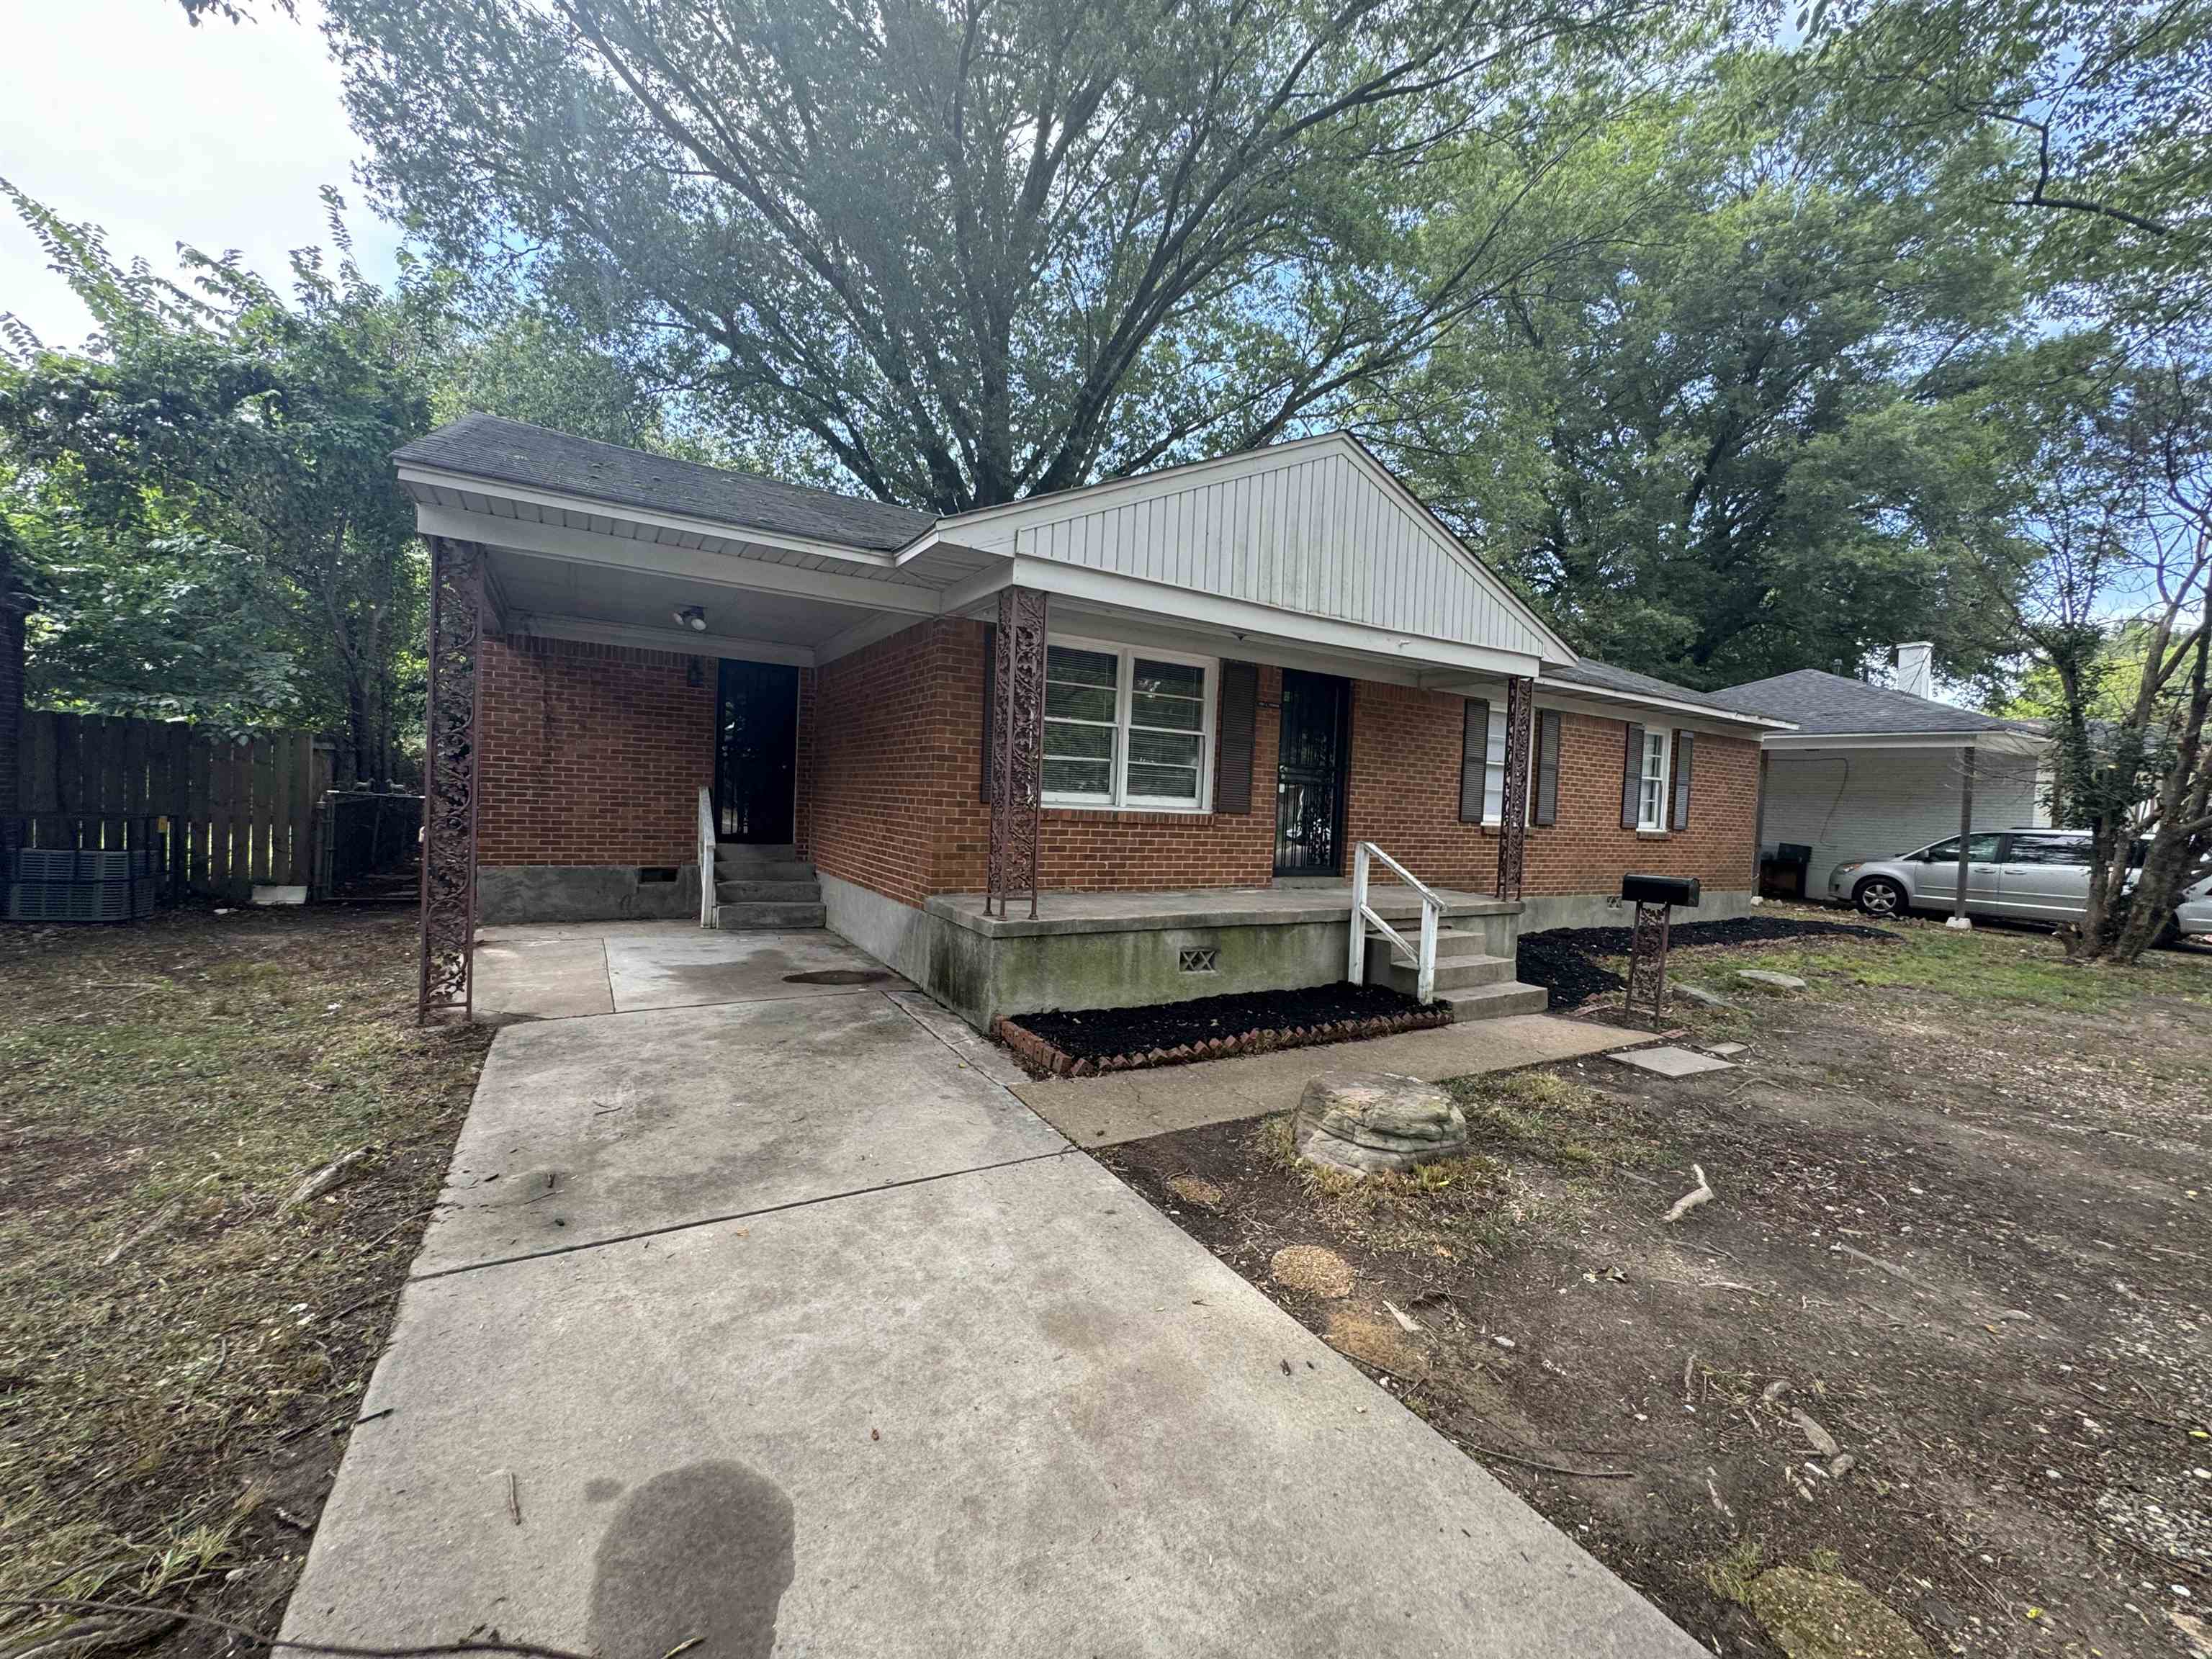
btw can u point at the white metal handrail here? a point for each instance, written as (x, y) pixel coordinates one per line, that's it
(708, 899)
(1432, 910)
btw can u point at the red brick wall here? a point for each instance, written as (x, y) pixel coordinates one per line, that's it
(1587, 850)
(896, 807)
(593, 754)
(802, 828)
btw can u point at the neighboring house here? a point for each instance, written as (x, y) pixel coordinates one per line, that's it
(1869, 772)
(1248, 666)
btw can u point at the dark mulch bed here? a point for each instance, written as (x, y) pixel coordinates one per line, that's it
(1565, 961)
(1082, 1042)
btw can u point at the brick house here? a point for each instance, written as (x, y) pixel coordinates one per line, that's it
(1176, 704)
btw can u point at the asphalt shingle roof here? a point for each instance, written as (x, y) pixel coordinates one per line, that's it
(515, 452)
(1605, 677)
(1819, 701)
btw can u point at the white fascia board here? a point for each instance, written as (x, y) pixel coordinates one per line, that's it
(2003, 743)
(436, 477)
(695, 564)
(1607, 704)
(681, 642)
(1214, 614)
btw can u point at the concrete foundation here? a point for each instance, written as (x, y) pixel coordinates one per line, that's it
(1541, 914)
(570, 892)
(895, 934)
(1127, 949)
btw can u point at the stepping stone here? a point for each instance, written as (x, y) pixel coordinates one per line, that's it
(1770, 979)
(1670, 1062)
(1727, 1050)
(1698, 995)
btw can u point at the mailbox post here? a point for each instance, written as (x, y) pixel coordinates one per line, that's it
(1656, 897)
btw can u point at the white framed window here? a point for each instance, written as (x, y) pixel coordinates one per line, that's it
(1651, 797)
(1127, 727)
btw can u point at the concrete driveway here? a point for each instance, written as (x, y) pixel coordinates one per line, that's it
(780, 1323)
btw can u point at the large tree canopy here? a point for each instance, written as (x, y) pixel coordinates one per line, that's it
(1752, 433)
(975, 248)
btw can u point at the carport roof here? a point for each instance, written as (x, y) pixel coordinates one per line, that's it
(1820, 703)
(515, 452)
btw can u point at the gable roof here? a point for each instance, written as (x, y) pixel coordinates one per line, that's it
(1315, 525)
(537, 458)
(1820, 703)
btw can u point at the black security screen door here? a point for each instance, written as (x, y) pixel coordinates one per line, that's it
(1309, 776)
(756, 751)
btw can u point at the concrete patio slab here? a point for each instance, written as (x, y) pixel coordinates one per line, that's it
(1014, 1411)
(1102, 1111)
(594, 1129)
(542, 977)
(1671, 1061)
(957, 1035)
(692, 968)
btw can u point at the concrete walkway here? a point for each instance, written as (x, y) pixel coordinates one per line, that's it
(778, 1323)
(1103, 1111)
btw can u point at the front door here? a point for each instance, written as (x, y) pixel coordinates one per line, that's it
(756, 751)
(1309, 775)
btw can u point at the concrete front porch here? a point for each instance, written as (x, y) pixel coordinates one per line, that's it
(1127, 949)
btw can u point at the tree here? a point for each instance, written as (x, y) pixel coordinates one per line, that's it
(1745, 429)
(235, 418)
(2120, 620)
(973, 249)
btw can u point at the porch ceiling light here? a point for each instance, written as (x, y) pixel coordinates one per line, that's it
(693, 616)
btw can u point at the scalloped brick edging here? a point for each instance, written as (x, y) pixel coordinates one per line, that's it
(1046, 1058)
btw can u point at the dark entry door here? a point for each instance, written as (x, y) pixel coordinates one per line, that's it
(1309, 775)
(756, 751)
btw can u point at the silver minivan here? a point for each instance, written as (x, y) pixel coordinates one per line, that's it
(2026, 875)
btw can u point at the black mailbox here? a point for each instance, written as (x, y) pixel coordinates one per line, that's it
(1660, 890)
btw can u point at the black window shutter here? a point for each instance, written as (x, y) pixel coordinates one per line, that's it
(1240, 704)
(1632, 778)
(1474, 760)
(1547, 766)
(990, 698)
(1685, 746)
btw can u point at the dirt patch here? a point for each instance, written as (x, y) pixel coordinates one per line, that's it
(1573, 964)
(185, 1350)
(1959, 1226)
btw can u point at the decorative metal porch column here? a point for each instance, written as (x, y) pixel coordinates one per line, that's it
(1513, 811)
(449, 779)
(1017, 747)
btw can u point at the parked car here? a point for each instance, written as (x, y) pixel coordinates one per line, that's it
(2025, 875)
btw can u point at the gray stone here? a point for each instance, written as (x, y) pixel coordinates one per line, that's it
(1727, 1050)
(1771, 980)
(1699, 995)
(1669, 1062)
(1368, 1121)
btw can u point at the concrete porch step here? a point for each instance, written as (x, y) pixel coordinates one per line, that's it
(744, 869)
(727, 891)
(736, 918)
(1455, 971)
(1494, 1001)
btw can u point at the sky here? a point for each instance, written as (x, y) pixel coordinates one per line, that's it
(120, 113)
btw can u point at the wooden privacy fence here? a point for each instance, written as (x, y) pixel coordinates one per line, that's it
(221, 815)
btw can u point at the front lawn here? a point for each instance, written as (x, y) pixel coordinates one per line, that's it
(183, 1350)
(1932, 1368)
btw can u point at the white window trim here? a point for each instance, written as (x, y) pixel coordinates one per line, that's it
(1496, 739)
(1646, 825)
(1124, 680)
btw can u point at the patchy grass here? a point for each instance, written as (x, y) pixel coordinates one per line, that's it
(1551, 1115)
(182, 1347)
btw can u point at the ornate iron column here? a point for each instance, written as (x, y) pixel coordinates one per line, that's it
(1017, 747)
(449, 779)
(1647, 964)
(1513, 812)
